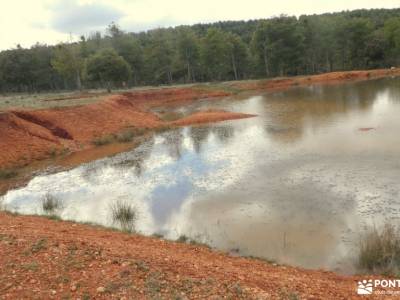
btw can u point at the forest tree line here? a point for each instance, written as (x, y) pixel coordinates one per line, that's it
(231, 50)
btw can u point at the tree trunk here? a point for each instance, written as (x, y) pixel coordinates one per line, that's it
(328, 64)
(234, 66)
(78, 80)
(266, 61)
(189, 72)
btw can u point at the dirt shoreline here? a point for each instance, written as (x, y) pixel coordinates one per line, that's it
(49, 259)
(30, 135)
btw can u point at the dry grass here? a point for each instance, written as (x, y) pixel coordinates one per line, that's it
(103, 140)
(49, 100)
(124, 215)
(8, 173)
(379, 250)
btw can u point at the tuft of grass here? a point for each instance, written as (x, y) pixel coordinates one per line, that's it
(33, 266)
(125, 136)
(124, 215)
(182, 239)
(186, 240)
(8, 173)
(39, 245)
(153, 283)
(288, 295)
(51, 204)
(379, 250)
(103, 140)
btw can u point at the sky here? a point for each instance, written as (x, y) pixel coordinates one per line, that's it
(26, 22)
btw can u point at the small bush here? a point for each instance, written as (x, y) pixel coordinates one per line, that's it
(51, 204)
(103, 140)
(124, 215)
(125, 137)
(8, 174)
(379, 251)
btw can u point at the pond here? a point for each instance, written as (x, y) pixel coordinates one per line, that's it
(297, 184)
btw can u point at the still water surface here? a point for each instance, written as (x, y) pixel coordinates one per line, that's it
(298, 184)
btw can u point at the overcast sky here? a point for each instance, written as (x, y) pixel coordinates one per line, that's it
(51, 21)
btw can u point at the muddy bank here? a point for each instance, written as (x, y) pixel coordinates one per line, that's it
(27, 136)
(53, 260)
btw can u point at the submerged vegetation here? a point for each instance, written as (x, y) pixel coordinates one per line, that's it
(230, 50)
(124, 215)
(51, 205)
(380, 250)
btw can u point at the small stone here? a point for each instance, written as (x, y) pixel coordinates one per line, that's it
(53, 292)
(101, 289)
(73, 288)
(125, 264)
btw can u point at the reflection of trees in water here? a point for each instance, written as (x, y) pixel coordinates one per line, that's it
(288, 111)
(223, 132)
(199, 135)
(92, 170)
(135, 159)
(173, 140)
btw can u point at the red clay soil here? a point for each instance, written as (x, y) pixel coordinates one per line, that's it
(27, 136)
(46, 259)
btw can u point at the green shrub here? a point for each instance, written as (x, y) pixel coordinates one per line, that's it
(124, 215)
(379, 251)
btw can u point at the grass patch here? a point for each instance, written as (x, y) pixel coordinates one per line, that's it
(171, 115)
(153, 284)
(186, 240)
(33, 266)
(125, 136)
(39, 245)
(51, 205)
(379, 250)
(8, 174)
(124, 215)
(103, 140)
(288, 295)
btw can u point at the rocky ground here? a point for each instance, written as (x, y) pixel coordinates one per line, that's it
(49, 259)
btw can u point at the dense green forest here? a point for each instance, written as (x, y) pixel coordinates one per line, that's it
(231, 50)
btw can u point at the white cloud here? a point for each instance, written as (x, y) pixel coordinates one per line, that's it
(50, 21)
(79, 18)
